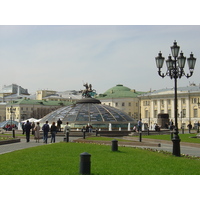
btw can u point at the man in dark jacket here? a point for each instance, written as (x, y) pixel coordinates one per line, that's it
(45, 129)
(28, 130)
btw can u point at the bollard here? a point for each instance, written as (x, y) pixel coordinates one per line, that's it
(84, 134)
(140, 137)
(67, 137)
(148, 131)
(96, 132)
(85, 163)
(114, 145)
(13, 130)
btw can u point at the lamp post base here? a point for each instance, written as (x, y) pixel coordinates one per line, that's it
(176, 145)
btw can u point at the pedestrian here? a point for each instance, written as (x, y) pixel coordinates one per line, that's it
(45, 129)
(59, 122)
(87, 128)
(90, 129)
(67, 129)
(139, 125)
(23, 128)
(37, 132)
(189, 126)
(53, 132)
(33, 128)
(28, 130)
(171, 125)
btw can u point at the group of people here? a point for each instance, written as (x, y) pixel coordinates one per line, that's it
(53, 129)
(87, 128)
(9, 127)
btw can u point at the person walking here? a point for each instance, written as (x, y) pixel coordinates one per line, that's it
(33, 128)
(37, 132)
(59, 122)
(45, 129)
(53, 132)
(67, 130)
(139, 126)
(23, 128)
(189, 127)
(28, 130)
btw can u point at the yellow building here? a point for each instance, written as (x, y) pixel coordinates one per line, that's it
(41, 94)
(2, 111)
(22, 109)
(162, 101)
(123, 98)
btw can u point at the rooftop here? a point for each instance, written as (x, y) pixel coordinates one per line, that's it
(26, 101)
(188, 89)
(119, 91)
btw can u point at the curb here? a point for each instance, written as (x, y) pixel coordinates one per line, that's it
(9, 141)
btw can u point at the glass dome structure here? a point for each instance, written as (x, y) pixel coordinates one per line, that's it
(90, 111)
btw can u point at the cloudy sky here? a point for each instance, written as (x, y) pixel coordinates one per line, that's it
(38, 55)
(62, 57)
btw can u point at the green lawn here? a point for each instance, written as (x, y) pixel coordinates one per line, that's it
(63, 159)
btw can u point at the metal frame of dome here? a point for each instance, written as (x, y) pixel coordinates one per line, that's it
(90, 111)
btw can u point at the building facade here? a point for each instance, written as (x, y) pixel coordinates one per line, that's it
(22, 109)
(162, 102)
(122, 98)
(50, 95)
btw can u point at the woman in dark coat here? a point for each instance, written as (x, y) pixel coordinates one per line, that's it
(53, 132)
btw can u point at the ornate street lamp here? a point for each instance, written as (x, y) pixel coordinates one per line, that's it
(175, 70)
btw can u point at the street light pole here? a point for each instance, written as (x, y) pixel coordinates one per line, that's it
(175, 70)
(12, 129)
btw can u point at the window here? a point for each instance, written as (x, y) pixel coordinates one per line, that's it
(146, 113)
(169, 101)
(184, 113)
(195, 112)
(129, 104)
(123, 104)
(155, 113)
(116, 104)
(183, 101)
(170, 113)
(146, 103)
(155, 102)
(194, 100)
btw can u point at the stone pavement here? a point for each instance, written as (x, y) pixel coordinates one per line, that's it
(23, 144)
(190, 149)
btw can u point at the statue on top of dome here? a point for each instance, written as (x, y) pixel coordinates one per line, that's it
(88, 92)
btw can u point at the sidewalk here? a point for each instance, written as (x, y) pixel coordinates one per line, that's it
(192, 149)
(23, 144)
